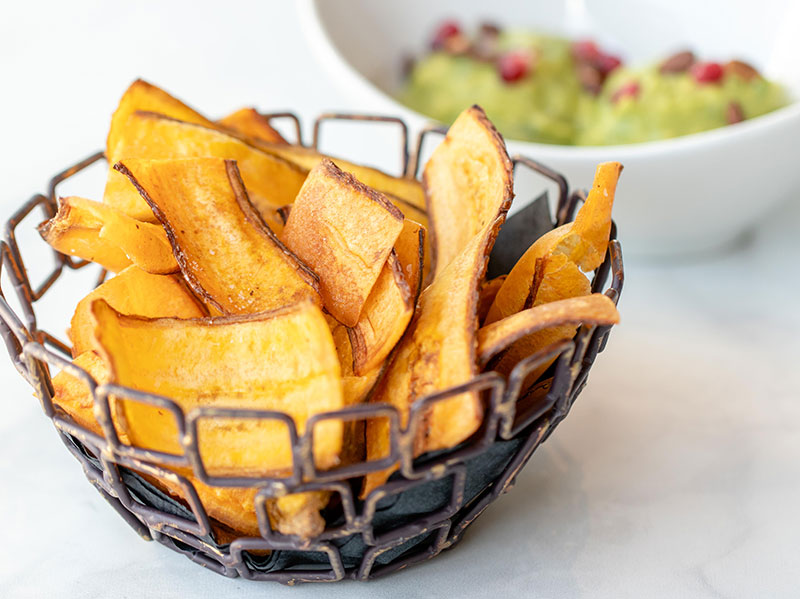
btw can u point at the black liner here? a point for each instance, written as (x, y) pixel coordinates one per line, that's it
(424, 508)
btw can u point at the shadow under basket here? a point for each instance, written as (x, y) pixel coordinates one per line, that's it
(424, 508)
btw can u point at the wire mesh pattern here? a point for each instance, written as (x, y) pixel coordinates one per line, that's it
(359, 541)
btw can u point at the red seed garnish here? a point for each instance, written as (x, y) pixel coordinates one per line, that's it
(629, 90)
(707, 72)
(446, 30)
(585, 50)
(606, 63)
(514, 65)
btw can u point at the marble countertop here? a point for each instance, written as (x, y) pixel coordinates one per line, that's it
(676, 474)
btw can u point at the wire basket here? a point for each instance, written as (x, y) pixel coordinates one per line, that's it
(423, 509)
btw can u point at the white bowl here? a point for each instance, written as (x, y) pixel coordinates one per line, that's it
(676, 196)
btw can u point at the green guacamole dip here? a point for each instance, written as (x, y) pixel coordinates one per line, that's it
(552, 105)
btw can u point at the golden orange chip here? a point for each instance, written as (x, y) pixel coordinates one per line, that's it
(383, 320)
(231, 259)
(271, 181)
(405, 192)
(134, 291)
(344, 231)
(468, 182)
(251, 124)
(595, 309)
(436, 353)
(72, 395)
(142, 95)
(488, 291)
(282, 360)
(410, 248)
(99, 233)
(583, 242)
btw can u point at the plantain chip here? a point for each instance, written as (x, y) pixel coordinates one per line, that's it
(436, 353)
(134, 291)
(233, 506)
(251, 124)
(298, 513)
(142, 95)
(410, 248)
(344, 231)
(280, 360)
(487, 294)
(583, 242)
(226, 253)
(383, 320)
(72, 395)
(99, 233)
(467, 183)
(595, 309)
(271, 181)
(405, 192)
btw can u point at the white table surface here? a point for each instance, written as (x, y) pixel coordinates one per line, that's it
(677, 473)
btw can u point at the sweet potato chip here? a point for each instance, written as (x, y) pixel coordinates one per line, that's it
(134, 291)
(231, 259)
(595, 309)
(142, 95)
(98, 233)
(251, 124)
(281, 360)
(584, 242)
(436, 353)
(271, 181)
(344, 231)
(410, 248)
(383, 320)
(468, 182)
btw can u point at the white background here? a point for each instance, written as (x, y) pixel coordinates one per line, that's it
(677, 474)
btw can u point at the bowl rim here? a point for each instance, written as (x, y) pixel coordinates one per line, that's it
(340, 69)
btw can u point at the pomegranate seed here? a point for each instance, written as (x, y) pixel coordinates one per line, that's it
(707, 72)
(514, 65)
(445, 31)
(629, 90)
(606, 63)
(585, 50)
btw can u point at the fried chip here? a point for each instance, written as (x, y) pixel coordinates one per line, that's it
(281, 360)
(410, 248)
(298, 513)
(436, 353)
(72, 395)
(271, 181)
(467, 182)
(93, 231)
(487, 294)
(233, 506)
(229, 257)
(402, 191)
(583, 242)
(134, 291)
(383, 320)
(344, 231)
(142, 95)
(251, 124)
(595, 309)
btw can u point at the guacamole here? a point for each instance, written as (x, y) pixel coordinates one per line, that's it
(549, 89)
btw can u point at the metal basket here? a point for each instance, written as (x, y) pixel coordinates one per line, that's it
(444, 492)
